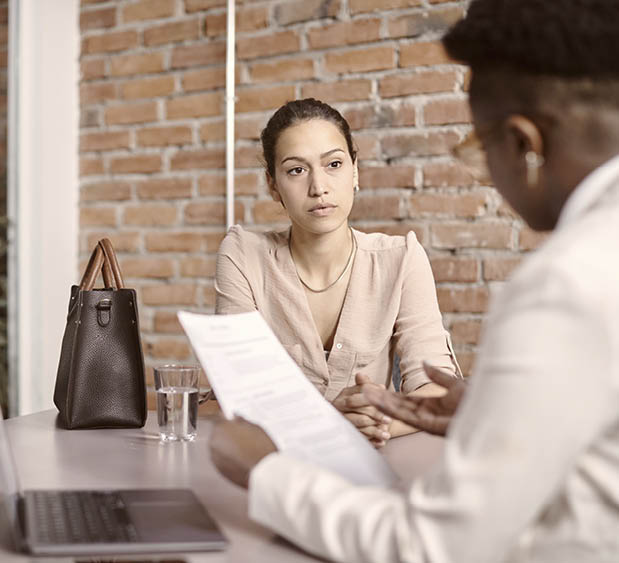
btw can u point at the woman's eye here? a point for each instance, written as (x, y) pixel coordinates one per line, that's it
(295, 171)
(335, 164)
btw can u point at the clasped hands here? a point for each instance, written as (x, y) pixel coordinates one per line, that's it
(237, 445)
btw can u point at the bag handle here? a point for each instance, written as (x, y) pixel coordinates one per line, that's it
(103, 259)
(111, 262)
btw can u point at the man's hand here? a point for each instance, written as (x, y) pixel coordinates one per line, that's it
(432, 414)
(357, 409)
(236, 447)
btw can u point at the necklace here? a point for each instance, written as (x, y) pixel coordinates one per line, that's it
(348, 263)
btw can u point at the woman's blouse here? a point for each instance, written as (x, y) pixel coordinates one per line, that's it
(390, 307)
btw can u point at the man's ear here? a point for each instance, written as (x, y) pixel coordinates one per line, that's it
(525, 135)
(272, 188)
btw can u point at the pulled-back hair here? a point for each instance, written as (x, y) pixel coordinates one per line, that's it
(295, 112)
(570, 39)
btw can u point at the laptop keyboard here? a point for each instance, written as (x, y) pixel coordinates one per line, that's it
(68, 517)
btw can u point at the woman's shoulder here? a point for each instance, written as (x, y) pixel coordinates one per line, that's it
(382, 242)
(239, 241)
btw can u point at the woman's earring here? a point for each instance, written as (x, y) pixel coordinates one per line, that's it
(534, 162)
(356, 189)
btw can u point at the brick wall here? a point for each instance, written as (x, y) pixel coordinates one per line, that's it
(152, 142)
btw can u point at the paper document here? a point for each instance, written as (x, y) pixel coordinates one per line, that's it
(254, 377)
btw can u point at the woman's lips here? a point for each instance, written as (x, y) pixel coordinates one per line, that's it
(322, 210)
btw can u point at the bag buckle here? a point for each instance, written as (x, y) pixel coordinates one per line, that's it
(104, 313)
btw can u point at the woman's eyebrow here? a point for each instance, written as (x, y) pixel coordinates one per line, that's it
(323, 155)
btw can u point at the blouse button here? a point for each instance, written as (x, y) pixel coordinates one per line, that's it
(339, 345)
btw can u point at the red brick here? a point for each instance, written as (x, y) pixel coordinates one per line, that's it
(465, 332)
(344, 33)
(463, 300)
(282, 70)
(166, 322)
(368, 146)
(213, 130)
(376, 207)
(197, 267)
(500, 269)
(342, 90)
(164, 136)
(98, 92)
(167, 348)
(126, 65)
(210, 212)
(360, 60)
(105, 191)
(98, 217)
(136, 164)
(472, 235)
(248, 127)
(147, 267)
(245, 183)
(465, 205)
(208, 296)
(95, 19)
(104, 141)
(248, 156)
(148, 10)
(172, 32)
(440, 174)
(92, 69)
(411, 25)
(363, 6)
(248, 18)
(122, 241)
(131, 113)
(451, 269)
(370, 117)
(175, 242)
(197, 5)
(148, 87)
(269, 211)
(442, 112)
(422, 54)
(422, 144)
(202, 159)
(170, 294)
(91, 166)
(206, 79)
(264, 98)
(305, 10)
(151, 215)
(195, 105)
(529, 239)
(387, 177)
(265, 45)
(199, 55)
(110, 42)
(164, 188)
(417, 83)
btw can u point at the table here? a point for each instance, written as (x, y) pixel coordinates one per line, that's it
(49, 457)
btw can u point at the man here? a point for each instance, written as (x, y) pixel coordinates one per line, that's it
(530, 470)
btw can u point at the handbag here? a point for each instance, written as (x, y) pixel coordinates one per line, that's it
(100, 380)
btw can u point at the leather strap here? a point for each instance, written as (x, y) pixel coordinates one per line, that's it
(112, 262)
(95, 263)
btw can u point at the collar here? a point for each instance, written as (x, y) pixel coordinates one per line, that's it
(589, 191)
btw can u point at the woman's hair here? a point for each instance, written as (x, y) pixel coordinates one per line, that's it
(295, 112)
(568, 39)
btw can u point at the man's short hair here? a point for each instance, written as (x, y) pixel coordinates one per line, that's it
(562, 38)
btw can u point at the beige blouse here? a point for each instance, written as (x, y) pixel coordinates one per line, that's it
(390, 306)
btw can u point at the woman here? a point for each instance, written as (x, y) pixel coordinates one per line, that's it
(342, 302)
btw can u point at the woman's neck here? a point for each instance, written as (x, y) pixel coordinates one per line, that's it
(321, 257)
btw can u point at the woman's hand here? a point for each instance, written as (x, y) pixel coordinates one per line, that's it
(432, 414)
(352, 403)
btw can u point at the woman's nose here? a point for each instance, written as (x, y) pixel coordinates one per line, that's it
(318, 185)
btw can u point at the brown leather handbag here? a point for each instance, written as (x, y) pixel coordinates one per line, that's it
(100, 381)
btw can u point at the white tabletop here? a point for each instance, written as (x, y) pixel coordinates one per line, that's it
(49, 457)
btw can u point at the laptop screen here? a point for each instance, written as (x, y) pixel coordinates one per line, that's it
(9, 486)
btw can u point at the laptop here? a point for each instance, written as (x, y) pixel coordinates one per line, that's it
(102, 522)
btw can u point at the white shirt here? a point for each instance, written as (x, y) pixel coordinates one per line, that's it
(530, 470)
